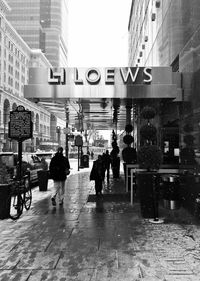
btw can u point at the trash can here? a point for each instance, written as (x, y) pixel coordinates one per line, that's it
(4, 198)
(171, 192)
(85, 161)
(43, 177)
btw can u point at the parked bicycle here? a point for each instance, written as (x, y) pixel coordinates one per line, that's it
(20, 197)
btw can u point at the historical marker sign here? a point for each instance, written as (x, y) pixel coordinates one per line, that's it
(20, 125)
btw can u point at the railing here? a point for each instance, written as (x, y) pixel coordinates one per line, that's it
(132, 169)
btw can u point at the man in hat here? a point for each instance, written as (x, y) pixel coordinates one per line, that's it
(59, 169)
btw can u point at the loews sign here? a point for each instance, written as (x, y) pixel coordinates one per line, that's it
(100, 82)
(94, 76)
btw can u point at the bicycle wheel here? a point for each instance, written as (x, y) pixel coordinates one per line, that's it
(27, 194)
(16, 206)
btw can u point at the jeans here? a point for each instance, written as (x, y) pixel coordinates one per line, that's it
(58, 189)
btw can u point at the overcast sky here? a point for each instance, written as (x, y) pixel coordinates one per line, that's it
(98, 33)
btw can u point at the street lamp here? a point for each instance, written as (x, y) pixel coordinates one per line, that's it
(67, 122)
(58, 133)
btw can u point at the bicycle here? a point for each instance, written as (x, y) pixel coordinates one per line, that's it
(20, 197)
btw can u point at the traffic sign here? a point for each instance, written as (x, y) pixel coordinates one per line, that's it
(79, 140)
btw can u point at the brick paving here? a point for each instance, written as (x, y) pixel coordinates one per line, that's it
(103, 240)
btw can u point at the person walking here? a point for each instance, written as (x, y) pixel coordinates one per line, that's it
(59, 169)
(97, 174)
(92, 155)
(115, 161)
(107, 162)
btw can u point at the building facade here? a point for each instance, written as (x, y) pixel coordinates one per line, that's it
(43, 24)
(166, 33)
(15, 59)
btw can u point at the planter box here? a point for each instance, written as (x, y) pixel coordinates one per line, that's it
(4, 204)
(145, 182)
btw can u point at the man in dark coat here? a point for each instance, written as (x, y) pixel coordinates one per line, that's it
(107, 162)
(97, 174)
(58, 168)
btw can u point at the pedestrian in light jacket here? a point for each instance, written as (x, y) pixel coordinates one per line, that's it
(59, 168)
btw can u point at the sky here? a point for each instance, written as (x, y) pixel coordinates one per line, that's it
(98, 33)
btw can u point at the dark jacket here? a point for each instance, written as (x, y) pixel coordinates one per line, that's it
(97, 172)
(106, 160)
(58, 166)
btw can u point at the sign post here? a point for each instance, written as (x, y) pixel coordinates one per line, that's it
(20, 129)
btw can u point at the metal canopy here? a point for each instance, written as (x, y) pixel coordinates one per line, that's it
(99, 97)
(96, 113)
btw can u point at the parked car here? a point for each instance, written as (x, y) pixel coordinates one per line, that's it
(31, 164)
(46, 155)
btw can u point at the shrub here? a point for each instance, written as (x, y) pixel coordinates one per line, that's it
(4, 175)
(129, 128)
(148, 132)
(128, 139)
(188, 140)
(149, 157)
(148, 112)
(187, 156)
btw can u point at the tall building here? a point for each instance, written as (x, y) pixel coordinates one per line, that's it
(15, 59)
(167, 33)
(161, 32)
(43, 24)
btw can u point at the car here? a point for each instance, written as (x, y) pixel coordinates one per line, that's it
(47, 155)
(31, 164)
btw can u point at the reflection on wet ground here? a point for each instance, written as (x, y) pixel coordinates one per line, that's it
(102, 238)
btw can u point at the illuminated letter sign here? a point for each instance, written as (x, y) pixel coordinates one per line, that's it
(93, 76)
(129, 75)
(76, 78)
(110, 76)
(56, 77)
(147, 72)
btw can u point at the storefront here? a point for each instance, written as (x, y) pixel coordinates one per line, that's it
(118, 88)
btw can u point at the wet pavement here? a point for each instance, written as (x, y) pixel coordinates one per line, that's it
(97, 240)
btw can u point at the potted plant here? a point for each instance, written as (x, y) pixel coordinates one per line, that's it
(129, 155)
(149, 159)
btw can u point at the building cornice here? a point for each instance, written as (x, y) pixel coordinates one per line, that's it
(25, 102)
(39, 53)
(10, 29)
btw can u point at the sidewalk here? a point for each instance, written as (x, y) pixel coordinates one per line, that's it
(97, 241)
